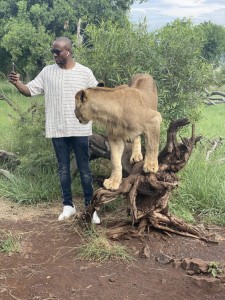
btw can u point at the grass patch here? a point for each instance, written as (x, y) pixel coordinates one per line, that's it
(212, 123)
(28, 188)
(214, 268)
(8, 115)
(200, 195)
(9, 242)
(97, 247)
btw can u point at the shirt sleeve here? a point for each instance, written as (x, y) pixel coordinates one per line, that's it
(91, 82)
(36, 86)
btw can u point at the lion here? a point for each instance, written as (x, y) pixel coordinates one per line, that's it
(126, 111)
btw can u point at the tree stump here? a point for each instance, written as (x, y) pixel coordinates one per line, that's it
(147, 195)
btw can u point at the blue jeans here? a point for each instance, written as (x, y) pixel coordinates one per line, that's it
(80, 146)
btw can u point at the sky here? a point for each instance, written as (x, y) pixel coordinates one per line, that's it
(160, 12)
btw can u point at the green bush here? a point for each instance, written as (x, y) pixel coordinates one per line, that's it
(172, 55)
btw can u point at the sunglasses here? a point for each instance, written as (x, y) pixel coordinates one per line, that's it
(56, 51)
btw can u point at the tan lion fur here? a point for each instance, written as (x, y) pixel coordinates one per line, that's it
(126, 112)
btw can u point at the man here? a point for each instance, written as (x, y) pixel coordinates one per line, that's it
(59, 83)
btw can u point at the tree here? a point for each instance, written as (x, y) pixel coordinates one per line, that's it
(213, 36)
(43, 20)
(114, 53)
(181, 71)
(171, 54)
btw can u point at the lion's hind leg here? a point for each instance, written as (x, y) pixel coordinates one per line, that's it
(136, 150)
(116, 147)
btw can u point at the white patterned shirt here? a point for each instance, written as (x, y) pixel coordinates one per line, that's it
(59, 87)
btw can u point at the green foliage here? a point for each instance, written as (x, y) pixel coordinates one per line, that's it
(24, 43)
(220, 77)
(28, 27)
(180, 71)
(30, 143)
(6, 135)
(114, 53)
(24, 128)
(172, 55)
(213, 41)
(32, 46)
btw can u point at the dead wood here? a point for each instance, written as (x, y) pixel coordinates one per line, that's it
(8, 159)
(9, 101)
(147, 195)
(212, 100)
(4, 155)
(6, 173)
(215, 145)
(215, 93)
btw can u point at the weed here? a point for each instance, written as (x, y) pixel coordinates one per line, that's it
(214, 268)
(98, 248)
(9, 243)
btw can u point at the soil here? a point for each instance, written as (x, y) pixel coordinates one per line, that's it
(47, 267)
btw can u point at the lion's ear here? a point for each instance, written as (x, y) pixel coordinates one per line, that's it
(82, 96)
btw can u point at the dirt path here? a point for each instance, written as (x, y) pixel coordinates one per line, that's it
(46, 268)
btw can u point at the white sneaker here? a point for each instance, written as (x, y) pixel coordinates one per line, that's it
(68, 211)
(95, 218)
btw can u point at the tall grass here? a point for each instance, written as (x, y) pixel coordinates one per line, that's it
(35, 178)
(6, 123)
(212, 123)
(201, 194)
(8, 115)
(22, 187)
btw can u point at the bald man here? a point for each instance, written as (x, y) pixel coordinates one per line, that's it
(59, 83)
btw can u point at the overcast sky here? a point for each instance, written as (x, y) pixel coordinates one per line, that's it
(161, 12)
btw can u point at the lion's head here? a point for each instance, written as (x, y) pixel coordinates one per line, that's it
(82, 110)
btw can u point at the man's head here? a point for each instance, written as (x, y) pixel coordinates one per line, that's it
(62, 50)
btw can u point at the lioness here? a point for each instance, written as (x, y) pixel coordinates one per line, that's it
(127, 112)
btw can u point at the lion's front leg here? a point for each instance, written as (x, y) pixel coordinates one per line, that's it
(152, 146)
(136, 150)
(116, 147)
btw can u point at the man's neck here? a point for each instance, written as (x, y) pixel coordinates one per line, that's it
(69, 65)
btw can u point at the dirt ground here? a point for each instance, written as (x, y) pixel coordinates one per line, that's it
(47, 268)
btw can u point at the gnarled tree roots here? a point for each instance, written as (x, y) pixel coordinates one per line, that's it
(147, 195)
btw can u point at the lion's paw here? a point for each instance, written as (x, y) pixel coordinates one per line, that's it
(111, 184)
(136, 158)
(151, 167)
